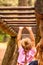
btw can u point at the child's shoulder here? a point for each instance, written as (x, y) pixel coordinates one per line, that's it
(20, 49)
(32, 51)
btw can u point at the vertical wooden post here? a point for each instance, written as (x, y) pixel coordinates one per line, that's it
(10, 51)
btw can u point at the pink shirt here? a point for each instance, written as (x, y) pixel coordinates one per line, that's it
(28, 56)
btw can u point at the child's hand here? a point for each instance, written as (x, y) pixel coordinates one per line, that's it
(29, 28)
(21, 28)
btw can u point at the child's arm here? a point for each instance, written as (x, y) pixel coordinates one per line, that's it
(19, 35)
(31, 34)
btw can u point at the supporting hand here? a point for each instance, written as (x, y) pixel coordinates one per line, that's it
(29, 28)
(21, 28)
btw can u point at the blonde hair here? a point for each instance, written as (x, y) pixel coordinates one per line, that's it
(26, 44)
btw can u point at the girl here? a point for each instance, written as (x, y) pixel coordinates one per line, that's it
(26, 47)
(39, 17)
(40, 44)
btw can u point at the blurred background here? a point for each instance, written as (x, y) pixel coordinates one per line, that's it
(3, 36)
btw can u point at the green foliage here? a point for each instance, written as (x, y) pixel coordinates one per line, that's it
(3, 36)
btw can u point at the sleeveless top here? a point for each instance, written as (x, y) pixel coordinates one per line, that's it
(28, 57)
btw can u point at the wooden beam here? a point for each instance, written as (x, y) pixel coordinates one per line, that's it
(19, 25)
(18, 16)
(25, 31)
(17, 8)
(20, 20)
(6, 28)
(18, 12)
